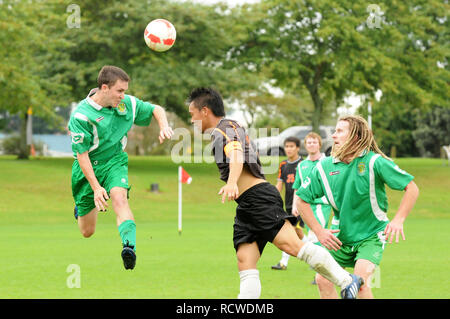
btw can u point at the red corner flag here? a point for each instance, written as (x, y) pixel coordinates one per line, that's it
(185, 177)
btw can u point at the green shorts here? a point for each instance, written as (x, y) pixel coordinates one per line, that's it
(110, 173)
(370, 249)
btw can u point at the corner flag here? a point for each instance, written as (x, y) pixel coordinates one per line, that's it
(183, 178)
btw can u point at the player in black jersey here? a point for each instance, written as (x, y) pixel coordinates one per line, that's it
(286, 178)
(260, 217)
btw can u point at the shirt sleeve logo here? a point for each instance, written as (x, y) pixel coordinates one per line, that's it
(77, 138)
(306, 182)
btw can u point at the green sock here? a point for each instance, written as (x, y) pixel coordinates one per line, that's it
(127, 231)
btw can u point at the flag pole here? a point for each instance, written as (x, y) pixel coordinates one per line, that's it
(180, 198)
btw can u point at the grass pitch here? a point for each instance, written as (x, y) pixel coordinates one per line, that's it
(40, 238)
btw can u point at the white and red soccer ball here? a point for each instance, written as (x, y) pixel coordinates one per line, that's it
(160, 35)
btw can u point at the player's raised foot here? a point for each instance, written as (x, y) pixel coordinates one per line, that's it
(75, 212)
(279, 266)
(129, 257)
(351, 291)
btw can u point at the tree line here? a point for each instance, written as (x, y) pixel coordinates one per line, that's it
(316, 52)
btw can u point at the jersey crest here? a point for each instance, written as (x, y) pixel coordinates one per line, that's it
(361, 168)
(122, 108)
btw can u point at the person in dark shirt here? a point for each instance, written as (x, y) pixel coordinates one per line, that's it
(286, 178)
(260, 217)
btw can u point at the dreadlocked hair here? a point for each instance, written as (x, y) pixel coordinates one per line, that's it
(360, 139)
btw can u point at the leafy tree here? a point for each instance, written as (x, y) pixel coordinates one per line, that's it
(331, 48)
(29, 63)
(433, 131)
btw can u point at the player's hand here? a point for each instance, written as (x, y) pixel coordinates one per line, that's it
(100, 198)
(229, 190)
(328, 240)
(165, 132)
(394, 228)
(294, 211)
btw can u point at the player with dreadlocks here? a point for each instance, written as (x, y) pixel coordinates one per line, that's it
(353, 179)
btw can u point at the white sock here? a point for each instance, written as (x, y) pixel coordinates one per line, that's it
(323, 263)
(284, 258)
(250, 287)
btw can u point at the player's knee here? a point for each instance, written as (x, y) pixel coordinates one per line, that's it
(119, 201)
(87, 232)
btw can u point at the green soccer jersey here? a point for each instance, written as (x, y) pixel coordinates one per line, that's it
(304, 169)
(320, 206)
(103, 130)
(356, 191)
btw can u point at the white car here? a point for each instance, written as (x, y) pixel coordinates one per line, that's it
(274, 145)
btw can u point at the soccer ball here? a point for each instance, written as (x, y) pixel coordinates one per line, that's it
(160, 35)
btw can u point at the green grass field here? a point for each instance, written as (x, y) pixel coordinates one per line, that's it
(40, 238)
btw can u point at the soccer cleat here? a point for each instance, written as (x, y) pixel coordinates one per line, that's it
(313, 282)
(75, 212)
(129, 257)
(279, 266)
(351, 291)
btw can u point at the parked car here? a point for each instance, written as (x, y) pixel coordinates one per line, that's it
(274, 145)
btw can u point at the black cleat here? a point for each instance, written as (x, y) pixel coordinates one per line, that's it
(129, 257)
(279, 266)
(75, 212)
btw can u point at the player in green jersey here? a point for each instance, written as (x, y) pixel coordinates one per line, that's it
(99, 127)
(353, 180)
(320, 207)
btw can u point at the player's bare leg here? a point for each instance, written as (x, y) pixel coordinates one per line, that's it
(287, 240)
(326, 288)
(120, 204)
(365, 269)
(87, 223)
(247, 257)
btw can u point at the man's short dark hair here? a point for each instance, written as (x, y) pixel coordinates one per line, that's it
(109, 75)
(207, 97)
(292, 139)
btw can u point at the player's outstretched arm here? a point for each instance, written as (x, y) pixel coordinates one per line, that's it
(395, 227)
(165, 131)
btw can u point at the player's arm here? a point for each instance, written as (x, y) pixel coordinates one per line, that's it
(100, 194)
(325, 236)
(165, 131)
(231, 190)
(279, 186)
(395, 227)
(294, 204)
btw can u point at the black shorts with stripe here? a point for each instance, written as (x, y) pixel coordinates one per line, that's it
(259, 216)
